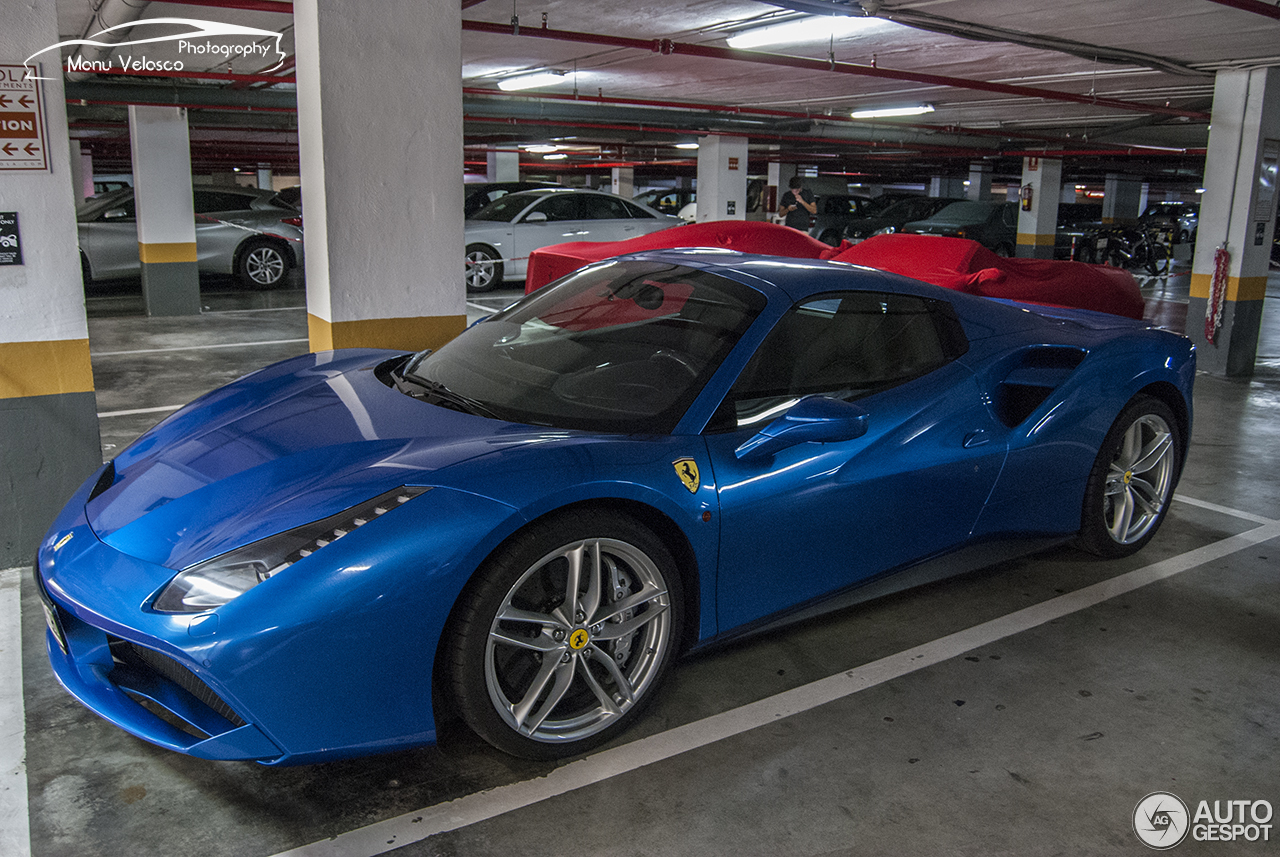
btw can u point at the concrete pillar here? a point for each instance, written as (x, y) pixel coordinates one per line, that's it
(979, 180)
(77, 174)
(622, 181)
(1144, 196)
(264, 177)
(1038, 226)
(166, 217)
(1238, 212)
(386, 144)
(48, 413)
(86, 173)
(779, 178)
(722, 178)
(946, 186)
(503, 166)
(1121, 196)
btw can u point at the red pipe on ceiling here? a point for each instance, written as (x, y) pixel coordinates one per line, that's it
(666, 46)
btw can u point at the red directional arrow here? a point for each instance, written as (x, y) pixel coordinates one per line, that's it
(5, 101)
(9, 150)
(26, 101)
(31, 148)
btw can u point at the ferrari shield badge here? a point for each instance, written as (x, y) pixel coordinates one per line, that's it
(687, 470)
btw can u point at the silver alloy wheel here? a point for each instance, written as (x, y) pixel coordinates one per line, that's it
(578, 640)
(264, 265)
(1139, 480)
(480, 270)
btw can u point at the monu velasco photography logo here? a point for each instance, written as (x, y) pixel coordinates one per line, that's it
(1162, 821)
(203, 40)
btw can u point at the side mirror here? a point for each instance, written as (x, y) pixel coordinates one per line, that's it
(536, 217)
(815, 419)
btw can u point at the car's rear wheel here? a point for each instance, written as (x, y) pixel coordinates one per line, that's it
(262, 264)
(484, 269)
(565, 634)
(1004, 250)
(1131, 484)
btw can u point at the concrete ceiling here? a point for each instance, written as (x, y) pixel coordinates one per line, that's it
(1118, 84)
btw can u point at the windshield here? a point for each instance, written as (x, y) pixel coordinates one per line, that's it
(504, 209)
(94, 206)
(618, 347)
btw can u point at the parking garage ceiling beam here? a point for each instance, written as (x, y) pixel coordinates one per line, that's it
(667, 46)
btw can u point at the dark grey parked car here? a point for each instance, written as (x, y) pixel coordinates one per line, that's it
(994, 225)
(897, 215)
(250, 233)
(835, 212)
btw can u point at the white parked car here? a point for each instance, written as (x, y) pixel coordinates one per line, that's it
(500, 237)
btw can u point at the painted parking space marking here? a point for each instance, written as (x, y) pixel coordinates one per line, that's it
(384, 836)
(15, 825)
(163, 409)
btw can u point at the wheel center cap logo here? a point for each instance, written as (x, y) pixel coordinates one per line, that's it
(578, 639)
(1128, 477)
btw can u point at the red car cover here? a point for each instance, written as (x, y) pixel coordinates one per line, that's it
(747, 236)
(967, 266)
(953, 263)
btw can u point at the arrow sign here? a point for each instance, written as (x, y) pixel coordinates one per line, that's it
(5, 101)
(8, 149)
(26, 101)
(31, 148)
(23, 145)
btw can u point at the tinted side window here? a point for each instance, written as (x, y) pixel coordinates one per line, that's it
(603, 208)
(846, 345)
(559, 207)
(212, 200)
(667, 202)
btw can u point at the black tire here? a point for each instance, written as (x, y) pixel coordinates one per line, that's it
(831, 236)
(594, 671)
(262, 263)
(1131, 484)
(1004, 250)
(483, 268)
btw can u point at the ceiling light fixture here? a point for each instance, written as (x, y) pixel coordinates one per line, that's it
(557, 156)
(532, 81)
(883, 112)
(686, 145)
(813, 28)
(541, 150)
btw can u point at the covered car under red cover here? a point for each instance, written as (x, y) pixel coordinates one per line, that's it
(967, 266)
(953, 263)
(747, 236)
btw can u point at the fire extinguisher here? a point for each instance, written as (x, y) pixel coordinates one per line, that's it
(1025, 196)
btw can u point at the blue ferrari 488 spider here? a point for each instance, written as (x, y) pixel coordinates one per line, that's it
(525, 527)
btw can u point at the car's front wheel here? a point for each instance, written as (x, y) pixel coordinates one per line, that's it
(484, 269)
(262, 264)
(565, 633)
(1131, 484)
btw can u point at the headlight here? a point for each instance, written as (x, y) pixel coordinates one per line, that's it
(216, 581)
(888, 230)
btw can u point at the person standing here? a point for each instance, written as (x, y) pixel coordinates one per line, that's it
(796, 205)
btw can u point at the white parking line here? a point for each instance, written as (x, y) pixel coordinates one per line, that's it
(393, 833)
(164, 409)
(15, 824)
(97, 354)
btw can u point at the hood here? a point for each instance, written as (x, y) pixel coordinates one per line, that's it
(290, 444)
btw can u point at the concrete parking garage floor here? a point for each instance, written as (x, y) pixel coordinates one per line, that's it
(1022, 709)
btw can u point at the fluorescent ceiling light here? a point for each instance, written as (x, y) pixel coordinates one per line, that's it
(883, 112)
(686, 145)
(558, 156)
(540, 150)
(815, 28)
(531, 81)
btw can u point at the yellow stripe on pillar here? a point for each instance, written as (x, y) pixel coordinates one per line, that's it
(1238, 288)
(45, 368)
(177, 252)
(1035, 239)
(408, 334)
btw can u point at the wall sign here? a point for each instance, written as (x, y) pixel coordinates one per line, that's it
(10, 240)
(22, 135)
